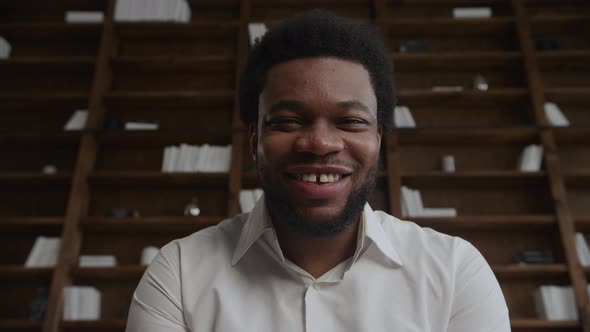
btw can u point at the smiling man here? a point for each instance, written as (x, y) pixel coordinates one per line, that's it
(317, 94)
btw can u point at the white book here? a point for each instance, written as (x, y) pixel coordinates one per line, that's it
(226, 157)
(185, 158)
(409, 119)
(582, 249)
(417, 197)
(258, 194)
(97, 261)
(44, 252)
(119, 10)
(245, 201)
(406, 206)
(5, 48)
(550, 302)
(186, 17)
(571, 311)
(34, 257)
(253, 199)
(192, 156)
(540, 308)
(165, 159)
(160, 10)
(256, 31)
(215, 159)
(84, 17)
(174, 156)
(555, 116)
(69, 294)
(132, 125)
(472, 12)
(202, 158)
(77, 121)
(169, 10)
(178, 11)
(455, 88)
(531, 158)
(439, 212)
(89, 303)
(409, 200)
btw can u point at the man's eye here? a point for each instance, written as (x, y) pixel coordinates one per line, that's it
(352, 123)
(285, 123)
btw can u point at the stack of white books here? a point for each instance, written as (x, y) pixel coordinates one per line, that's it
(555, 303)
(531, 158)
(193, 158)
(97, 261)
(472, 12)
(77, 121)
(5, 48)
(402, 118)
(153, 10)
(84, 17)
(44, 252)
(256, 31)
(412, 206)
(555, 115)
(81, 303)
(141, 125)
(248, 199)
(582, 249)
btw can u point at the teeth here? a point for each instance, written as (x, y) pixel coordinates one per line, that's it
(323, 178)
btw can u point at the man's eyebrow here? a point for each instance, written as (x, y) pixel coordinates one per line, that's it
(350, 104)
(287, 104)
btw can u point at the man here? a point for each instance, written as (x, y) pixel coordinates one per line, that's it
(317, 94)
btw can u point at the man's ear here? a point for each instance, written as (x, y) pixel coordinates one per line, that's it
(253, 137)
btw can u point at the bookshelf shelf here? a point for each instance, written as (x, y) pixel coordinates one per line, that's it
(529, 271)
(20, 325)
(19, 271)
(534, 325)
(155, 224)
(157, 179)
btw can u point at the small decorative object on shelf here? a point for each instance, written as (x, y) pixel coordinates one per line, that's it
(38, 304)
(547, 44)
(148, 254)
(5, 48)
(448, 163)
(49, 169)
(534, 257)
(192, 208)
(122, 213)
(480, 83)
(256, 31)
(113, 123)
(411, 46)
(44, 252)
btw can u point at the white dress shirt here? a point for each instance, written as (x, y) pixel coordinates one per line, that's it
(234, 277)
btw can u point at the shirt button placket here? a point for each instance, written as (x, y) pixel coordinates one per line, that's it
(312, 310)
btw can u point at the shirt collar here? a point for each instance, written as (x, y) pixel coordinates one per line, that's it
(259, 222)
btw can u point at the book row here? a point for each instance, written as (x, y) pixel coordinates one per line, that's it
(197, 158)
(45, 251)
(152, 10)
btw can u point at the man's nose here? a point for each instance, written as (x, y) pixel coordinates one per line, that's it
(320, 139)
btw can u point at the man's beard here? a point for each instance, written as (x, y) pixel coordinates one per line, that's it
(282, 212)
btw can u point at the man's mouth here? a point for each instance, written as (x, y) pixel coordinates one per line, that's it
(318, 178)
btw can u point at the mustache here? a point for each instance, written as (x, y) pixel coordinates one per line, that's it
(321, 161)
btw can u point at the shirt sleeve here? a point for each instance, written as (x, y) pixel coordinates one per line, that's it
(156, 304)
(478, 305)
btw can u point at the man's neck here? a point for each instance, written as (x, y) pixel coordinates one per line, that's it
(317, 254)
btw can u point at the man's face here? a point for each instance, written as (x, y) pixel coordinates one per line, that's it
(317, 143)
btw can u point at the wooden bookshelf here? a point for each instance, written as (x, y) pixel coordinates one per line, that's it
(185, 77)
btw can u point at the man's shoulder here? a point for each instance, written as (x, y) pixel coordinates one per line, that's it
(411, 239)
(220, 238)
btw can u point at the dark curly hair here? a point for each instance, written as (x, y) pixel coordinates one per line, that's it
(313, 34)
